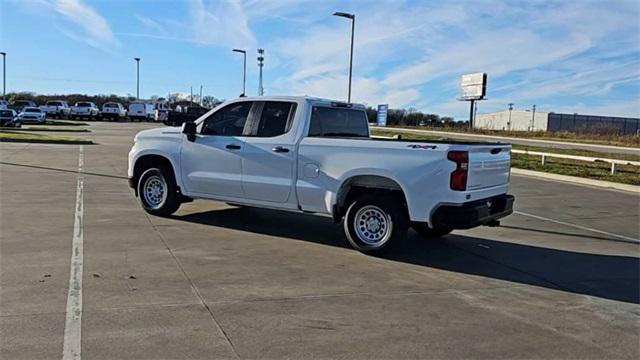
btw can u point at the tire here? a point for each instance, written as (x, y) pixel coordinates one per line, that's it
(375, 223)
(428, 233)
(158, 192)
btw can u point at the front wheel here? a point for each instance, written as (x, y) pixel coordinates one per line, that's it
(374, 223)
(158, 192)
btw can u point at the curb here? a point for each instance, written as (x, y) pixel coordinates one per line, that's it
(47, 130)
(577, 180)
(38, 141)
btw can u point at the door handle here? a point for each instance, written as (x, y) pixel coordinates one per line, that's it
(280, 149)
(233, 147)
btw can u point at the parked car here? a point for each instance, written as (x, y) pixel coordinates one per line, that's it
(56, 108)
(112, 110)
(4, 104)
(161, 112)
(316, 156)
(84, 109)
(141, 111)
(18, 105)
(32, 115)
(9, 118)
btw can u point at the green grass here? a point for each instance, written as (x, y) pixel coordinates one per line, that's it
(578, 152)
(589, 138)
(10, 136)
(625, 174)
(56, 122)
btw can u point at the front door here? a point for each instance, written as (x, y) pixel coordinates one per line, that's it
(212, 164)
(269, 154)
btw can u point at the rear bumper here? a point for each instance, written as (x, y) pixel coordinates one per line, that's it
(472, 214)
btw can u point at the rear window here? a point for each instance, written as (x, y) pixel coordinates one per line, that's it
(110, 105)
(83, 104)
(33, 110)
(54, 103)
(338, 122)
(22, 103)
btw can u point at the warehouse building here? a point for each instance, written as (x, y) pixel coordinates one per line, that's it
(527, 120)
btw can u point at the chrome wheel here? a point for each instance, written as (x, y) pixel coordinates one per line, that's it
(373, 226)
(154, 191)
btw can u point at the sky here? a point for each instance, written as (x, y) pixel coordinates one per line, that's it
(564, 56)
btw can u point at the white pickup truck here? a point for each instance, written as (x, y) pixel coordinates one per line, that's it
(56, 108)
(316, 156)
(84, 109)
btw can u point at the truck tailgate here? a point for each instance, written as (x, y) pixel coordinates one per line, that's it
(489, 166)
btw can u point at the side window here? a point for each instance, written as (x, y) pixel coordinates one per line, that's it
(276, 118)
(228, 121)
(338, 122)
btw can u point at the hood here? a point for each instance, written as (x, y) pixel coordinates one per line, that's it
(159, 133)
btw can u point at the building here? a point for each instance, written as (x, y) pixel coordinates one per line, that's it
(526, 120)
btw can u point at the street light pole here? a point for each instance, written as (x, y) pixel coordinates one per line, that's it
(509, 123)
(244, 70)
(4, 75)
(533, 118)
(352, 17)
(137, 78)
(260, 65)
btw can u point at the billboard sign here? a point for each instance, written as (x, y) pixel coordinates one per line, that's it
(473, 86)
(382, 114)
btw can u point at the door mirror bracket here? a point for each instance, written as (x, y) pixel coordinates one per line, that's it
(189, 129)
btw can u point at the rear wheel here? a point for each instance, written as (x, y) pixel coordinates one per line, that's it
(426, 232)
(158, 192)
(375, 223)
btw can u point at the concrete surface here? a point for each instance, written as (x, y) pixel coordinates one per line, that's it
(216, 281)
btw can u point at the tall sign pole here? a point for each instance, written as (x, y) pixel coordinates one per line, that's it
(473, 87)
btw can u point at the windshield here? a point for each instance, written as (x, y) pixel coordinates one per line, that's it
(6, 113)
(22, 103)
(111, 105)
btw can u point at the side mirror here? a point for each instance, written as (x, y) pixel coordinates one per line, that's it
(189, 129)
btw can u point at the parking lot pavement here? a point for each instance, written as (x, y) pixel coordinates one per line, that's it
(559, 279)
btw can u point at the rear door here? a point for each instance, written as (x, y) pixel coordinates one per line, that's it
(489, 166)
(212, 164)
(269, 154)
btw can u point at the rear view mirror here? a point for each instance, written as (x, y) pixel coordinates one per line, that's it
(189, 129)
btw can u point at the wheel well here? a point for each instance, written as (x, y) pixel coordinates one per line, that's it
(148, 161)
(365, 184)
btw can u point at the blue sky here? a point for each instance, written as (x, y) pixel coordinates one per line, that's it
(564, 56)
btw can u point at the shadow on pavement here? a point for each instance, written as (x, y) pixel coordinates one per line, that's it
(604, 276)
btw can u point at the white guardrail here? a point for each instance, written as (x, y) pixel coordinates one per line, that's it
(544, 155)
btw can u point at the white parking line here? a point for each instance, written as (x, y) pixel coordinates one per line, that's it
(630, 239)
(73, 325)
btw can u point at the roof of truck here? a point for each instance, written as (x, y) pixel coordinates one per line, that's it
(297, 98)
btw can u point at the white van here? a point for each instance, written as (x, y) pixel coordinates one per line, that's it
(141, 111)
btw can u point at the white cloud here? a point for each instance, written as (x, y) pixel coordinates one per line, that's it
(222, 23)
(90, 26)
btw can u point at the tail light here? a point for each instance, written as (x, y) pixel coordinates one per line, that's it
(458, 180)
